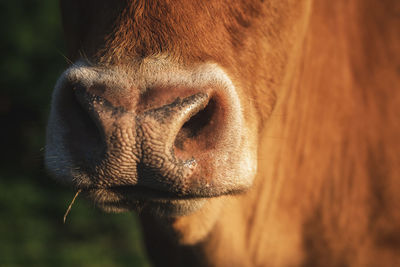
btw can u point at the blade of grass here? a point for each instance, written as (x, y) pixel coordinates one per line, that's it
(70, 205)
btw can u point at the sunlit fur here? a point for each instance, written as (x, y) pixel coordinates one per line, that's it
(320, 82)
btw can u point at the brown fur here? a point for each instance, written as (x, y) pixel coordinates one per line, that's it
(327, 192)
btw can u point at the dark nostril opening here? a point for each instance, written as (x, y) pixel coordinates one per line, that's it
(86, 101)
(196, 126)
(90, 137)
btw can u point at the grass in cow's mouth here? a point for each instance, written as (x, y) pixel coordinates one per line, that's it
(70, 205)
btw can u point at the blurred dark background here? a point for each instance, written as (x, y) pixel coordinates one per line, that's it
(32, 205)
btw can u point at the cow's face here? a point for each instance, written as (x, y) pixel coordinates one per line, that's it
(163, 104)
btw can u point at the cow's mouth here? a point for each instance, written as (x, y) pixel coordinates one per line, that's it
(143, 200)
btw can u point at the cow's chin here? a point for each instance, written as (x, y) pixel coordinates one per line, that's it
(129, 198)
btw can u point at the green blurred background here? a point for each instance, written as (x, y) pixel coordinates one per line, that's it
(32, 205)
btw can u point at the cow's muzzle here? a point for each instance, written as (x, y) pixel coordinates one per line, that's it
(153, 133)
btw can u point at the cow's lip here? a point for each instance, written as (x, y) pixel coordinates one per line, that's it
(140, 192)
(143, 199)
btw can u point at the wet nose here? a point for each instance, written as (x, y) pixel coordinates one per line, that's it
(153, 127)
(161, 140)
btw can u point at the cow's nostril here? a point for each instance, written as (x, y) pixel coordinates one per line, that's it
(197, 127)
(89, 114)
(199, 121)
(87, 143)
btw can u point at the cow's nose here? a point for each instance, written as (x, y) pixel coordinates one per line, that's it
(154, 128)
(160, 141)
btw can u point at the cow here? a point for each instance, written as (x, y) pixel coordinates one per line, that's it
(244, 133)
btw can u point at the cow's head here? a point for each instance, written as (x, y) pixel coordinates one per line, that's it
(163, 104)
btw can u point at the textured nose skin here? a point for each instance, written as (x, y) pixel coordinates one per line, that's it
(153, 129)
(157, 131)
(146, 139)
